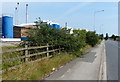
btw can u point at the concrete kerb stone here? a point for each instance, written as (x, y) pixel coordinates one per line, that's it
(104, 65)
(103, 70)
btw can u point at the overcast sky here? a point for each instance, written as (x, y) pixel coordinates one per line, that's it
(76, 14)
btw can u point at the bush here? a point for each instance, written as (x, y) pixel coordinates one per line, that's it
(60, 37)
(92, 38)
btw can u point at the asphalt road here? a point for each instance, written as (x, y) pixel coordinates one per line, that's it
(87, 68)
(112, 59)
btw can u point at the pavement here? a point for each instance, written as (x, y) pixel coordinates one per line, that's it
(90, 67)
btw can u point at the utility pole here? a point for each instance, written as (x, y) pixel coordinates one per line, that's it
(94, 17)
(26, 13)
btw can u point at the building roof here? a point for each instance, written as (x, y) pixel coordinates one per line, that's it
(49, 22)
(22, 25)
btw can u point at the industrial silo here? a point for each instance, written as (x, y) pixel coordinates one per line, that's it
(7, 26)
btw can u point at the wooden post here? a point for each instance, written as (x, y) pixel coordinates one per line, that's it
(47, 50)
(59, 50)
(26, 52)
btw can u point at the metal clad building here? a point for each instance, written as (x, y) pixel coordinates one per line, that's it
(7, 26)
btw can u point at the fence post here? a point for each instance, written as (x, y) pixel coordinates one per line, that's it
(59, 50)
(26, 52)
(47, 50)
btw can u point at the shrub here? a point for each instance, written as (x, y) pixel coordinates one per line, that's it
(92, 38)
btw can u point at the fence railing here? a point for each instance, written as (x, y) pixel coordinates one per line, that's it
(27, 55)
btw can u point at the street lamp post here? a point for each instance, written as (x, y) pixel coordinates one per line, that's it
(94, 16)
(26, 13)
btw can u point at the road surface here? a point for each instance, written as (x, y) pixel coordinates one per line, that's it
(87, 68)
(112, 59)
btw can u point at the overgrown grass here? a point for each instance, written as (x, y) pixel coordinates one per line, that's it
(99, 42)
(36, 70)
(83, 50)
(8, 55)
(10, 47)
(11, 63)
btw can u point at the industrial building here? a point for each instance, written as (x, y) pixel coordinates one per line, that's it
(51, 24)
(10, 32)
(19, 32)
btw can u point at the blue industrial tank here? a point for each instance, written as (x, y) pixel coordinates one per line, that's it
(54, 25)
(7, 26)
(58, 26)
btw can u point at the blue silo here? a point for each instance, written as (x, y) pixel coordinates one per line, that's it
(7, 26)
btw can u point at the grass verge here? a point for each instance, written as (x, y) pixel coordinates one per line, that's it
(10, 47)
(38, 69)
(8, 55)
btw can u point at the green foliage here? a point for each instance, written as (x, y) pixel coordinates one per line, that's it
(114, 37)
(92, 38)
(106, 38)
(101, 36)
(60, 37)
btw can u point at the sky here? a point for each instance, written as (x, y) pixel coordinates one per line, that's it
(78, 15)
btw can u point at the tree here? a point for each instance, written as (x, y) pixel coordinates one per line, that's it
(106, 38)
(80, 36)
(113, 37)
(101, 36)
(92, 38)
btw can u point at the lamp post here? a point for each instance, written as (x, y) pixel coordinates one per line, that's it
(26, 13)
(94, 16)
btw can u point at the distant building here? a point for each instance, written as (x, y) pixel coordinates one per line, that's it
(70, 30)
(20, 31)
(51, 24)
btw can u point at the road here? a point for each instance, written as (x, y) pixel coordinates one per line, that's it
(86, 68)
(112, 59)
